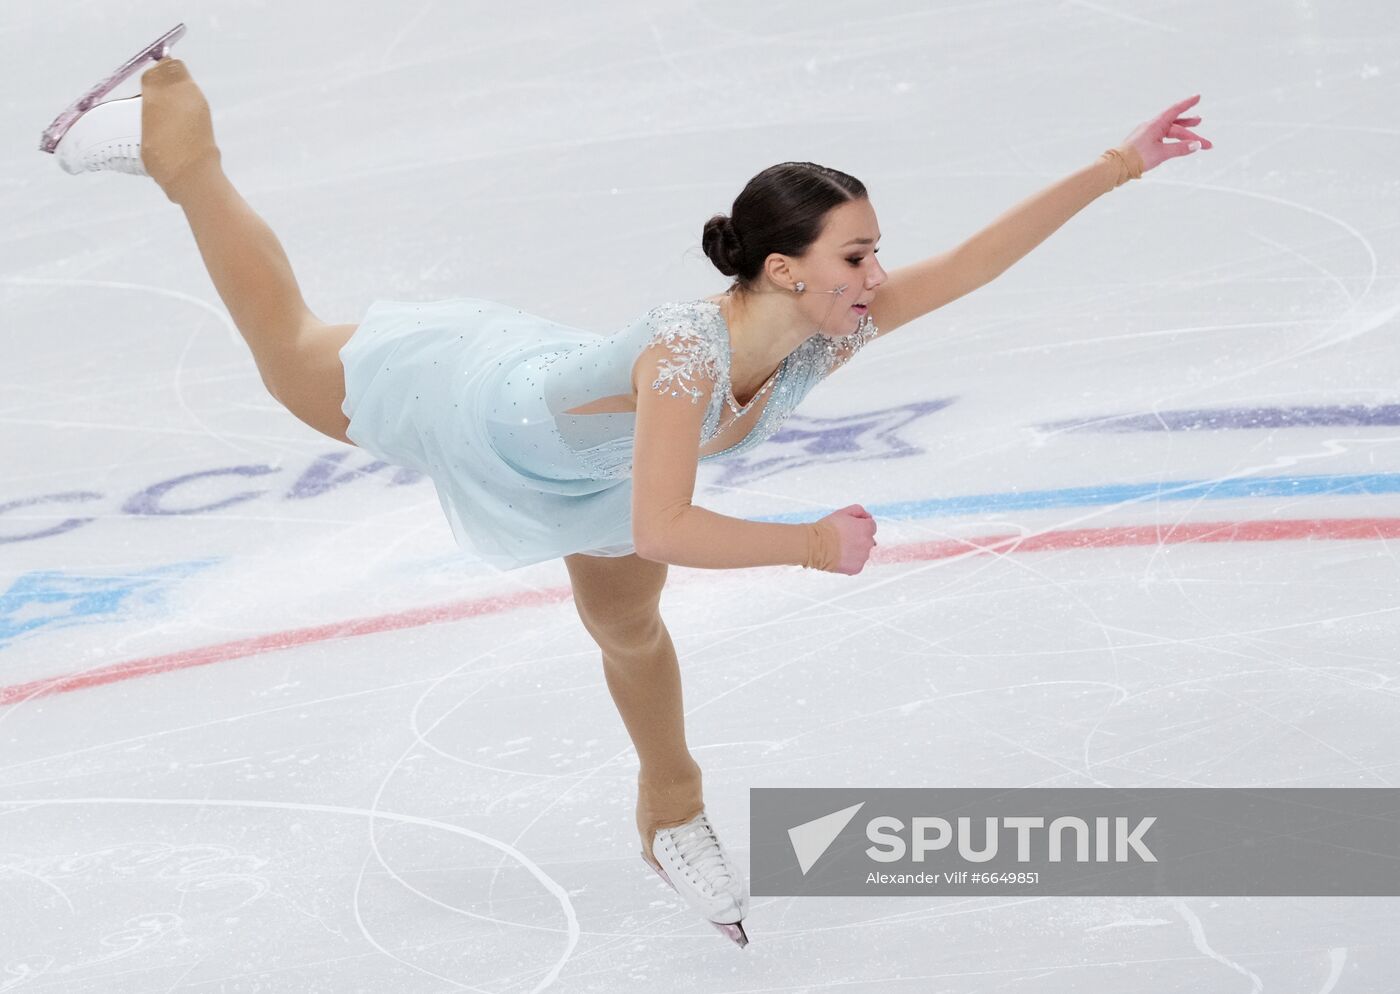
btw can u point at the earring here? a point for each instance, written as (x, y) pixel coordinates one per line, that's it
(800, 286)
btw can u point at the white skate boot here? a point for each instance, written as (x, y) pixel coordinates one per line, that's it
(154, 52)
(107, 137)
(698, 867)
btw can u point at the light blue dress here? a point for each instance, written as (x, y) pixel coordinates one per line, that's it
(475, 395)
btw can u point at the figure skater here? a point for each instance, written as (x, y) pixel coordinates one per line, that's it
(547, 441)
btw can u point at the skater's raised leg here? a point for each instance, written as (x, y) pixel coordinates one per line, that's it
(166, 133)
(296, 353)
(618, 600)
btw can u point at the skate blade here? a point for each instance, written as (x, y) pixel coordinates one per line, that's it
(155, 51)
(734, 932)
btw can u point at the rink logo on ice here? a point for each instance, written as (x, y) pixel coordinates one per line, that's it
(857, 437)
(1236, 418)
(1076, 841)
(46, 600)
(215, 491)
(202, 492)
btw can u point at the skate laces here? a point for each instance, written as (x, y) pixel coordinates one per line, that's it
(699, 850)
(116, 156)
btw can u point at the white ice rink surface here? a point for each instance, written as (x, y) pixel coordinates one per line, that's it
(265, 728)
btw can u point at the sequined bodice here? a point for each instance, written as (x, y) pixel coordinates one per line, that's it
(696, 335)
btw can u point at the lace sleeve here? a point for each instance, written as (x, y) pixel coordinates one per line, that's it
(693, 365)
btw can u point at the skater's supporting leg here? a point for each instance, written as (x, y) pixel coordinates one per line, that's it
(618, 600)
(295, 352)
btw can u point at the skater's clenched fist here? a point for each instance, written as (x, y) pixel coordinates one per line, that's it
(855, 531)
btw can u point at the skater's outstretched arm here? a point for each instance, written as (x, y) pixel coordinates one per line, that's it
(915, 290)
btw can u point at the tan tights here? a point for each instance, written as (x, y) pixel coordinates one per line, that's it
(618, 600)
(296, 352)
(298, 356)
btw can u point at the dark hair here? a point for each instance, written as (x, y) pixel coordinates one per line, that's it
(782, 210)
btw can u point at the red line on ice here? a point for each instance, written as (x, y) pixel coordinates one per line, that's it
(273, 641)
(1083, 538)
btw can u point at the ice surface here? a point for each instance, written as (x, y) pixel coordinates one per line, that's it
(267, 729)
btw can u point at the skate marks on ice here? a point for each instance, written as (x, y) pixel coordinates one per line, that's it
(150, 928)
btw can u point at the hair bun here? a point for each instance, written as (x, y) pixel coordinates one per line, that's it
(721, 243)
(784, 209)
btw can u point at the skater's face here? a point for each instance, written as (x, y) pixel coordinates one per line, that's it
(843, 254)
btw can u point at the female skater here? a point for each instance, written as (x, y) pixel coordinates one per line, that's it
(547, 441)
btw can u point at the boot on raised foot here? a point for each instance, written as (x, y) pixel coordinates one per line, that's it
(165, 132)
(106, 138)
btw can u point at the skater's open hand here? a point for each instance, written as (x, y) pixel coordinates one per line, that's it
(1148, 137)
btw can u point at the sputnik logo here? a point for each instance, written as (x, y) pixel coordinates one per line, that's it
(812, 838)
